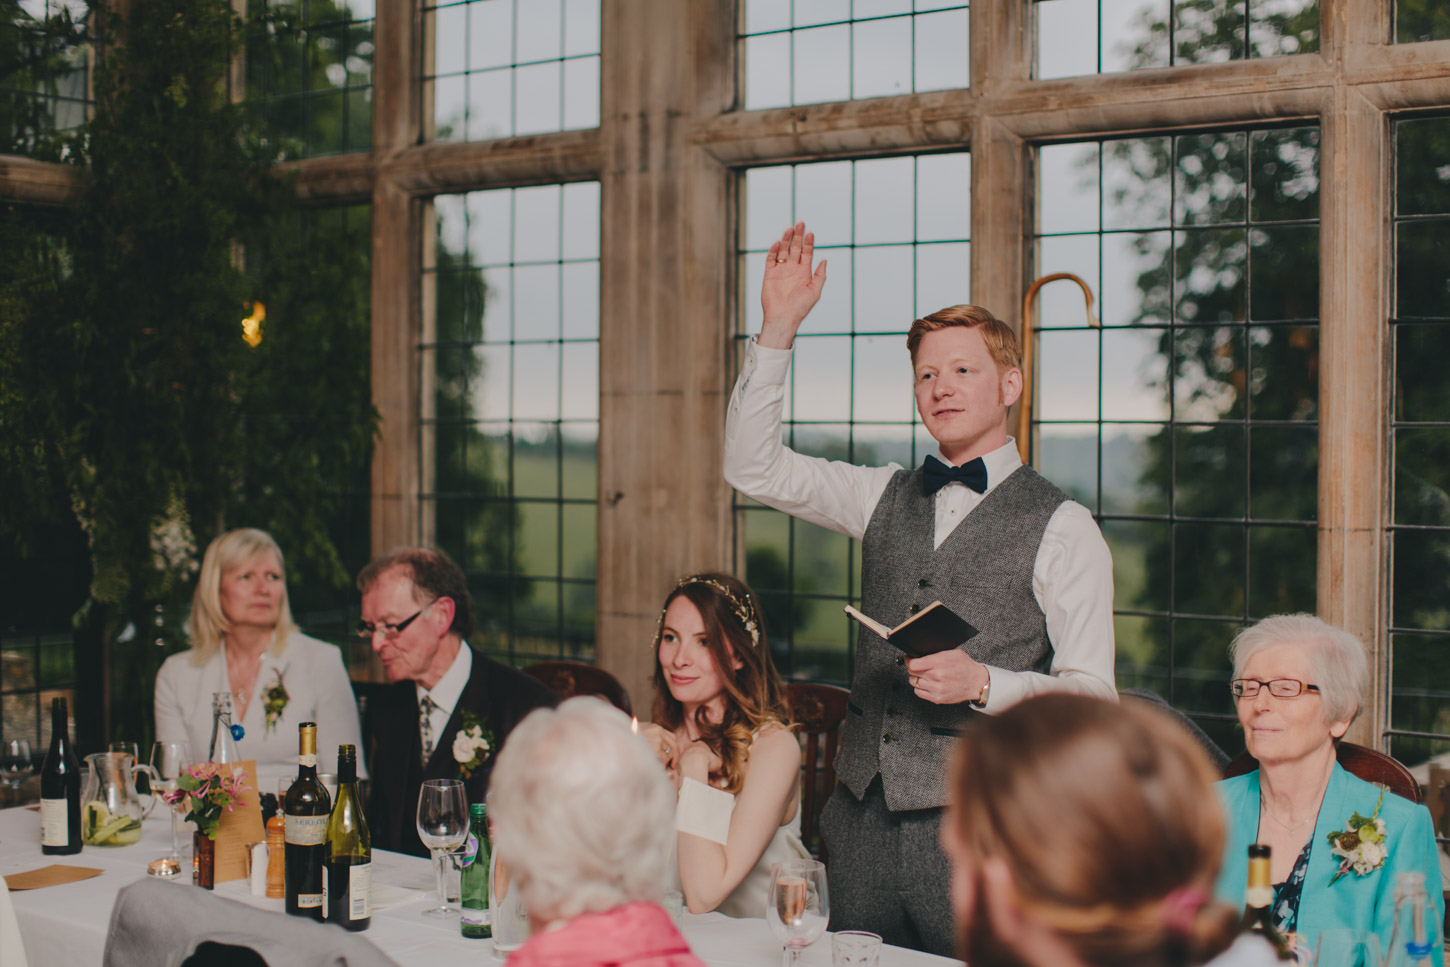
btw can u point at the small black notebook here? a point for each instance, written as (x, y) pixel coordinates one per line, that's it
(932, 629)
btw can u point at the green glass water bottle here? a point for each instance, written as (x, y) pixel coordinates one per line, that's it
(473, 882)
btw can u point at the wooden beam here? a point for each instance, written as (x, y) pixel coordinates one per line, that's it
(430, 169)
(664, 508)
(29, 182)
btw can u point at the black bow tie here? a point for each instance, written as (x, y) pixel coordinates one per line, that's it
(935, 475)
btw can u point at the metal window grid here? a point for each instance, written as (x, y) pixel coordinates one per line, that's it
(511, 635)
(1176, 675)
(64, 95)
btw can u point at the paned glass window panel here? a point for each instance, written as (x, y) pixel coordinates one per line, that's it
(895, 234)
(813, 51)
(1196, 402)
(1420, 147)
(309, 76)
(1077, 37)
(1422, 476)
(510, 353)
(1420, 20)
(1420, 668)
(1142, 646)
(500, 68)
(45, 86)
(1420, 351)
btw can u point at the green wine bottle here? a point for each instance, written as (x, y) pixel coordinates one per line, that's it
(473, 883)
(349, 851)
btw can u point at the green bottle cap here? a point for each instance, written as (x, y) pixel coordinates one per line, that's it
(478, 810)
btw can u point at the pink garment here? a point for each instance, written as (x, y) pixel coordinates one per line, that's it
(634, 935)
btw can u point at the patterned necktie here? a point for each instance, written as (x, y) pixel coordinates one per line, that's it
(426, 705)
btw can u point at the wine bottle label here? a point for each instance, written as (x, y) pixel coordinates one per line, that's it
(307, 901)
(54, 823)
(360, 892)
(1259, 896)
(309, 760)
(305, 830)
(474, 918)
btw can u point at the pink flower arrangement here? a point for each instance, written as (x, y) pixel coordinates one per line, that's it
(206, 789)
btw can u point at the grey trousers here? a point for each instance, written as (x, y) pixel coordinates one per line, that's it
(887, 872)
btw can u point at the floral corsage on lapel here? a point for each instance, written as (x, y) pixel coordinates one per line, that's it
(274, 699)
(471, 745)
(1360, 845)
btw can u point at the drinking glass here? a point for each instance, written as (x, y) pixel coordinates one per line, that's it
(169, 759)
(1347, 948)
(15, 764)
(797, 906)
(442, 826)
(855, 948)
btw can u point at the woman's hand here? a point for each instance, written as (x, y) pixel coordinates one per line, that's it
(699, 762)
(662, 741)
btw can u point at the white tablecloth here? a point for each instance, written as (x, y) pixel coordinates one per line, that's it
(65, 926)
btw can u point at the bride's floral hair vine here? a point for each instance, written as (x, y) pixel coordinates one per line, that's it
(743, 608)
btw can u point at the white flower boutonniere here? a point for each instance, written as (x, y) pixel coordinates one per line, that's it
(471, 745)
(275, 699)
(1360, 845)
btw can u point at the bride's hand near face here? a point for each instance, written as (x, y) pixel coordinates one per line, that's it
(662, 741)
(699, 762)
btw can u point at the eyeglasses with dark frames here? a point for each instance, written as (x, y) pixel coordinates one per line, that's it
(365, 630)
(1279, 687)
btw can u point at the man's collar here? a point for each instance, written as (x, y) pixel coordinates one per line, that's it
(450, 687)
(999, 462)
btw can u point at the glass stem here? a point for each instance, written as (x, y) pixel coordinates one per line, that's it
(438, 875)
(790, 956)
(175, 847)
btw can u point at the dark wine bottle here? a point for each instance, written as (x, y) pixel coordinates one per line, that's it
(305, 813)
(349, 880)
(60, 788)
(1259, 903)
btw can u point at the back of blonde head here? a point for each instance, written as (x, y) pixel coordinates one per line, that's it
(226, 553)
(1101, 812)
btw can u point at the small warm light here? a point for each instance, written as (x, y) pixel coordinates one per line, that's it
(634, 724)
(252, 325)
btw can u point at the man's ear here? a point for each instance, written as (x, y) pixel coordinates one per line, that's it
(444, 608)
(1010, 387)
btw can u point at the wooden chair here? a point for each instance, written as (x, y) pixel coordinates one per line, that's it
(1367, 764)
(818, 710)
(570, 678)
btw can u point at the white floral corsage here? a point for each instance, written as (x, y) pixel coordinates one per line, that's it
(471, 745)
(1360, 845)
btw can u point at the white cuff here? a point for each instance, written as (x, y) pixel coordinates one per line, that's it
(704, 811)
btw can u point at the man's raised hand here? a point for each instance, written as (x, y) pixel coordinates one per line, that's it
(790, 288)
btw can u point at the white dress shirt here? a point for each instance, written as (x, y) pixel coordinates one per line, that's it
(446, 693)
(1072, 577)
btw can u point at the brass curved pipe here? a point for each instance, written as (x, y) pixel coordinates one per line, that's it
(1029, 339)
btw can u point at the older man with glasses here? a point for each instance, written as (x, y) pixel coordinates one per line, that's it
(449, 708)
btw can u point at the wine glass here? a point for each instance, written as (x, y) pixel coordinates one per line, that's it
(169, 759)
(442, 826)
(15, 764)
(797, 906)
(1347, 948)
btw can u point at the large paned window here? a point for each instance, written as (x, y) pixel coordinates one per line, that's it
(44, 75)
(895, 232)
(510, 358)
(1077, 37)
(1187, 423)
(1419, 659)
(309, 75)
(497, 68)
(807, 51)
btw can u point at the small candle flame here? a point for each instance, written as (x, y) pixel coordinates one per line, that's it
(634, 724)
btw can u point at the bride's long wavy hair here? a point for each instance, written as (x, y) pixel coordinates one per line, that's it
(754, 693)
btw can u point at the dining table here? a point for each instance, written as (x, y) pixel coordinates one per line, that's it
(66, 925)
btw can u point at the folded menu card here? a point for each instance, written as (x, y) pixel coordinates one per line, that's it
(53, 875)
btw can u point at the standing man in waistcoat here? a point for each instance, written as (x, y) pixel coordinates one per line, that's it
(974, 528)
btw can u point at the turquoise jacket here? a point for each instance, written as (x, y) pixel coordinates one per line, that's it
(1361, 902)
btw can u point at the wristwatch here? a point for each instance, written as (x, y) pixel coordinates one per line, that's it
(980, 702)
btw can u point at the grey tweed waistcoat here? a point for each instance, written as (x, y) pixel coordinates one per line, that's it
(983, 572)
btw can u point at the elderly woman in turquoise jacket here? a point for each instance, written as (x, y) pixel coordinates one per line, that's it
(1297, 686)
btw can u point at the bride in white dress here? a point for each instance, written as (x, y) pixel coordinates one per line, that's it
(722, 729)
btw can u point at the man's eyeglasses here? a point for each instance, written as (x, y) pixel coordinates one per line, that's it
(1279, 687)
(365, 630)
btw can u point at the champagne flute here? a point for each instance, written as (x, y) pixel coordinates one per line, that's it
(797, 906)
(442, 826)
(169, 759)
